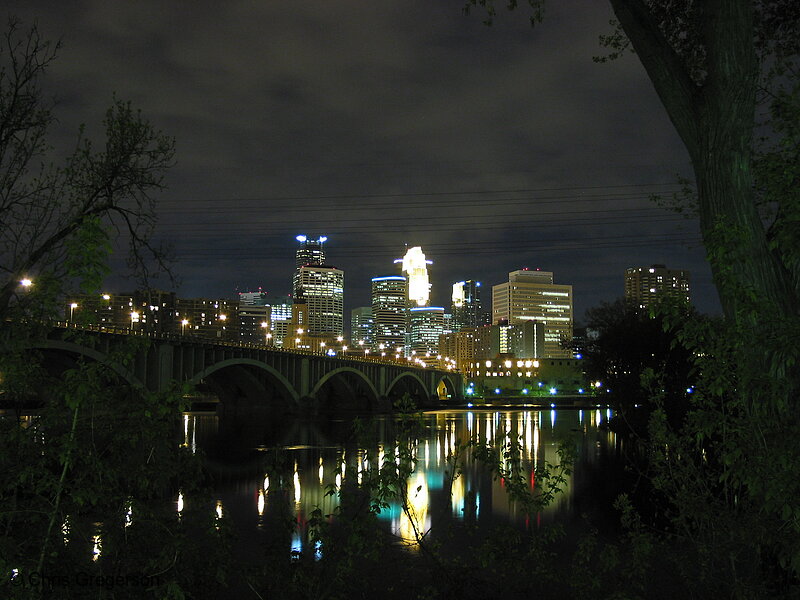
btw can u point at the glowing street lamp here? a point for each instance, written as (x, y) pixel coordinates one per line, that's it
(72, 308)
(26, 283)
(134, 317)
(184, 323)
(264, 326)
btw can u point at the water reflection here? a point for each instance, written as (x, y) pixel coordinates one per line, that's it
(318, 455)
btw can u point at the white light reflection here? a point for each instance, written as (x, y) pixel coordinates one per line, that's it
(218, 509)
(65, 529)
(470, 419)
(457, 495)
(552, 419)
(97, 546)
(261, 503)
(320, 472)
(180, 503)
(266, 483)
(129, 515)
(528, 434)
(296, 478)
(415, 522)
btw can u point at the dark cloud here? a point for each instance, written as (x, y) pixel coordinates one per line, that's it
(330, 101)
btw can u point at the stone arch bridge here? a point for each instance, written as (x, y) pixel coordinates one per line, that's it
(297, 380)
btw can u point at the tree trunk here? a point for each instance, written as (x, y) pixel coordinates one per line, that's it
(715, 119)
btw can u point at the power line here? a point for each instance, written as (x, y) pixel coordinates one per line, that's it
(430, 194)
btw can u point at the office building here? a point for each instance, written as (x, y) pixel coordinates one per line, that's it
(532, 296)
(145, 310)
(425, 325)
(309, 253)
(258, 298)
(389, 304)
(460, 346)
(280, 317)
(362, 328)
(323, 292)
(467, 306)
(646, 285)
(254, 324)
(208, 317)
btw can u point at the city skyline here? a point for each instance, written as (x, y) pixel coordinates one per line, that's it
(403, 124)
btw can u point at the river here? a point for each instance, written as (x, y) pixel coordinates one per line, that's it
(265, 468)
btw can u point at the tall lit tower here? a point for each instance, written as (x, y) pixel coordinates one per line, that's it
(532, 296)
(415, 266)
(389, 304)
(309, 253)
(467, 307)
(323, 292)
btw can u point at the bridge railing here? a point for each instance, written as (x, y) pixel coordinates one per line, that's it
(197, 339)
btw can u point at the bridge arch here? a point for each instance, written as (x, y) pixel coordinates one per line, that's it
(284, 385)
(445, 388)
(353, 382)
(79, 350)
(411, 383)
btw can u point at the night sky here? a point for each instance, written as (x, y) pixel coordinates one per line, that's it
(380, 125)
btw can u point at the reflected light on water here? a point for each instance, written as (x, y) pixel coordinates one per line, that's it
(65, 529)
(97, 546)
(458, 497)
(129, 515)
(414, 521)
(473, 493)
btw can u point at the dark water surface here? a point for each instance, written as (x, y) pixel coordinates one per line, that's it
(266, 469)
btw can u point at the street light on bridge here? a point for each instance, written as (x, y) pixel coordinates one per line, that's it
(72, 308)
(184, 323)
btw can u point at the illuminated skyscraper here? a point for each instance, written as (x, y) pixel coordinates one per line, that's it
(425, 325)
(645, 285)
(532, 296)
(467, 306)
(323, 291)
(362, 328)
(309, 253)
(415, 266)
(389, 304)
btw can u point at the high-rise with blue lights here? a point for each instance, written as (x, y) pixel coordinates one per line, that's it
(467, 307)
(309, 253)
